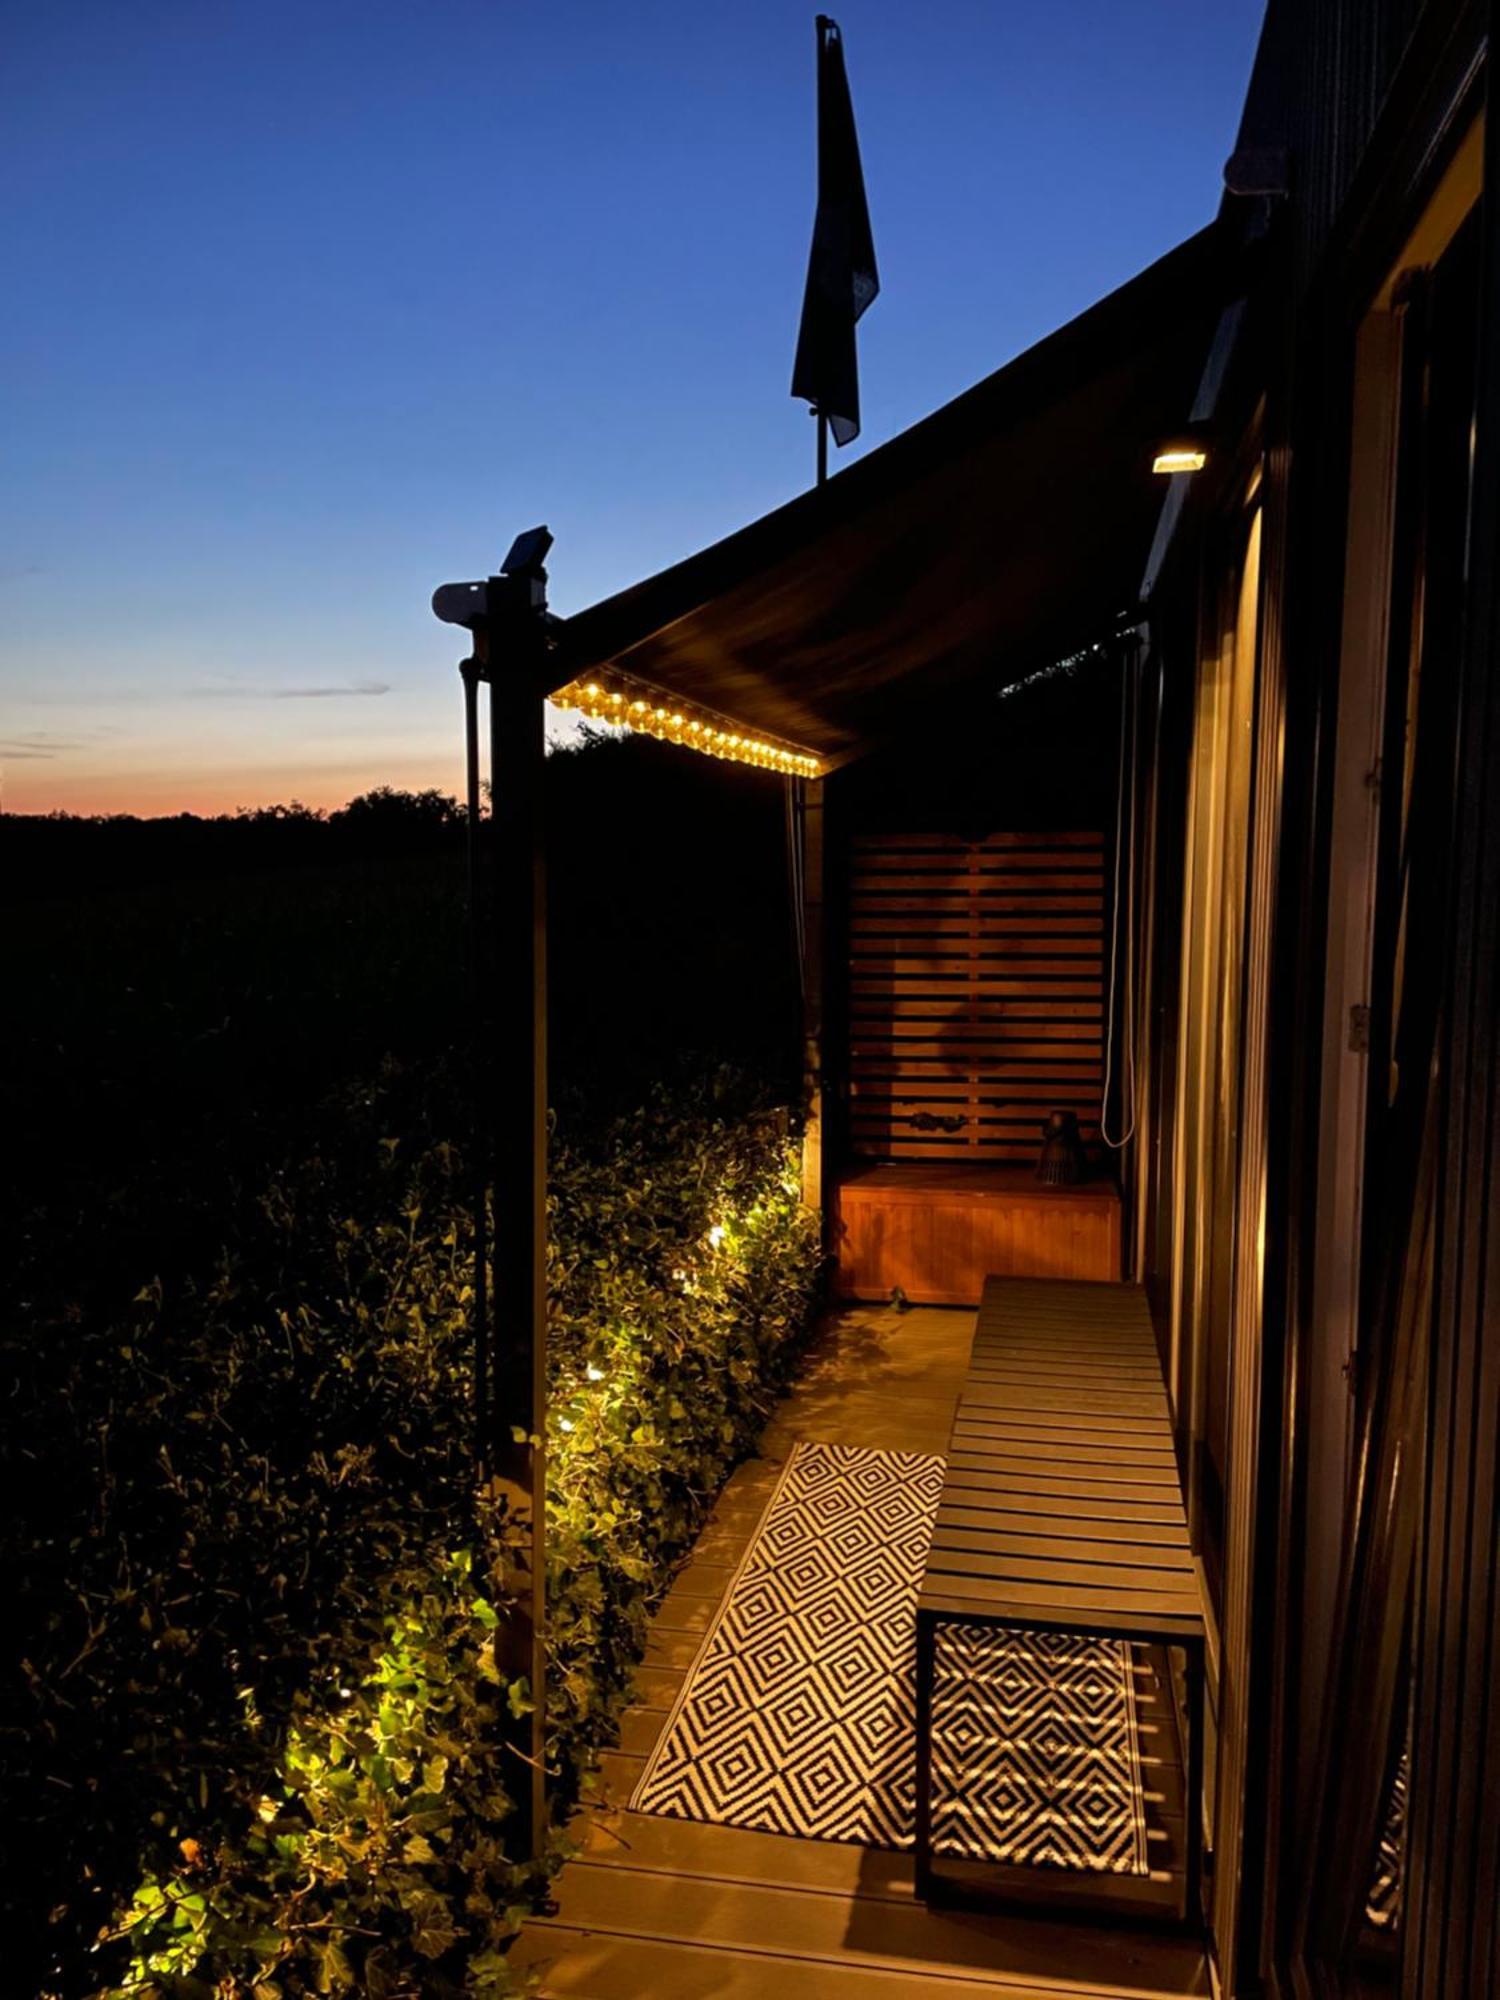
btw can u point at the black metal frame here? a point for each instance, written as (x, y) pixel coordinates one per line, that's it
(507, 617)
(938, 1886)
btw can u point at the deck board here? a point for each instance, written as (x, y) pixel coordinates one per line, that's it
(675, 1910)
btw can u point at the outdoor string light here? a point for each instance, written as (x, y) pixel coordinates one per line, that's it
(614, 697)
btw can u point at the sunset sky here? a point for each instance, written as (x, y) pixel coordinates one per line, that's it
(312, 306)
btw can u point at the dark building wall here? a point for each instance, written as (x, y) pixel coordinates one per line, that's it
(1044, 755)
(1323, 74)
(1361, 103)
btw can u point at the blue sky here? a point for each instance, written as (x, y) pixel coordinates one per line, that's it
(312, 306)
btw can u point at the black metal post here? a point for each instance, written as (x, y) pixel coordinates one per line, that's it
(479, 1165)
(927, 1624)
(507, 619)
(1194, 1678)
(822, 448)
(514, 643)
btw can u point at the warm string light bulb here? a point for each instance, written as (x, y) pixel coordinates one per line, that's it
(625, 705)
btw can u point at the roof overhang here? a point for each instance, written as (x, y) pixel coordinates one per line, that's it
(1009, 528)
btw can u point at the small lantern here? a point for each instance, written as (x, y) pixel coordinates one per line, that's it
(1062, 1163)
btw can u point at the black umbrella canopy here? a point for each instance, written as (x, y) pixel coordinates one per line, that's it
(1006, 529)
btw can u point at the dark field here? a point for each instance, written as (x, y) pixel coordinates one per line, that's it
(184, 996)
(230, 1049)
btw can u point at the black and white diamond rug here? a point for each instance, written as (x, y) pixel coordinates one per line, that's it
(799, 1713)
(1034, 1750)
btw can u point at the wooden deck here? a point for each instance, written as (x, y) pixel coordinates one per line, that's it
(659, 1909)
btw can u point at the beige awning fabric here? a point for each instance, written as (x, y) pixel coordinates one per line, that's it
(1007, 529)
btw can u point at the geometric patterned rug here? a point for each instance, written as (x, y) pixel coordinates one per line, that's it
(1383, 1908)
(799, 1714)
(1035, 1753)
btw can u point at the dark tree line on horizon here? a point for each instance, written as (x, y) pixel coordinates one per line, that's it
(669, 920)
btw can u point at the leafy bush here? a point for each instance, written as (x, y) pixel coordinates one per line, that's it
(261, 1681)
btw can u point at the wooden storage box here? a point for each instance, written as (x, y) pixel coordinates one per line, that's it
(937, 1232)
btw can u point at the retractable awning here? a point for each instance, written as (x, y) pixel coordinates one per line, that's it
(1005, 530)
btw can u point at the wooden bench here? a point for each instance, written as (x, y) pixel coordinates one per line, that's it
(1061, 1511)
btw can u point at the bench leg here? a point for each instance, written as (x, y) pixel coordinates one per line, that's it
(926, 1653)
(1193, 1893)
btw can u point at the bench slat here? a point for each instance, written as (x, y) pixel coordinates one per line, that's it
(1015, 1519)
(998, 1566)
(1059, 1423)
(1066, 1504)
(1119, 1402)
(1050, 1608)
(953, 1538)
(1104, 1481)
(974, 1437)
(1121, 1500)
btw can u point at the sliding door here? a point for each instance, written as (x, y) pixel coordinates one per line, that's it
(1393, 862)
(1210, 1045)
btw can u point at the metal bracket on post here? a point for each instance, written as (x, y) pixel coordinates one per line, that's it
(507, 616)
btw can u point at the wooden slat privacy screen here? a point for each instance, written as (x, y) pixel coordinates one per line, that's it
(976, 992)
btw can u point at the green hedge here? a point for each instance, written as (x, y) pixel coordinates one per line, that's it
(263, 1685)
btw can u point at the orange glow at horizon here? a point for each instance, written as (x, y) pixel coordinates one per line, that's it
(154, 793)
(175, 774)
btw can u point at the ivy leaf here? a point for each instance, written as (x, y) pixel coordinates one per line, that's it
(432, 1940)
(334, 1974)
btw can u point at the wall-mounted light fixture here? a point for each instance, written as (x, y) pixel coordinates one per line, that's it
(1185, 451)
(1180, 455)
